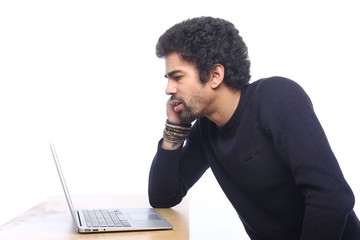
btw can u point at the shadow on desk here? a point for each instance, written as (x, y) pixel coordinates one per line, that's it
(51, 219)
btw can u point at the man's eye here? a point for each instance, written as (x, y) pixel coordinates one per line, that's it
(177, 78)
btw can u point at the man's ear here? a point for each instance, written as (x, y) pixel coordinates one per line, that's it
(217, 75)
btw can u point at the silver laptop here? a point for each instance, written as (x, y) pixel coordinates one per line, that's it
(111, 220)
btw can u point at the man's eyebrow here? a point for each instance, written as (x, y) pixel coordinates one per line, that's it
(172, 73)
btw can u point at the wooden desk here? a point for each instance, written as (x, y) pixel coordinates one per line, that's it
(51, 219)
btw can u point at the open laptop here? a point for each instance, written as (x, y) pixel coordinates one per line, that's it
(110, 220)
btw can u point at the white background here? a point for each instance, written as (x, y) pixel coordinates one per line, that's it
(85, 74)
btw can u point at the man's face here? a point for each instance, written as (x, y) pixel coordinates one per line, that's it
(186, 90)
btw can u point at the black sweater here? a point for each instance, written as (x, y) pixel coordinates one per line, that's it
(274, 163)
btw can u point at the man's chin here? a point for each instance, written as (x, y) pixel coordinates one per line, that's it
(186, 118)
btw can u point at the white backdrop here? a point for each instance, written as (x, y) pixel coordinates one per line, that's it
(85, 74)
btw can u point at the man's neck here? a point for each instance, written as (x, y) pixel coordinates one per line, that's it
(225, 105)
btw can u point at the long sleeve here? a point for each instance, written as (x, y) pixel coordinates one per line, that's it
(287, 114)
(174, 172)
(274, 163)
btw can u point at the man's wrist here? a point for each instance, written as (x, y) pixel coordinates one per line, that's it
(175, 134)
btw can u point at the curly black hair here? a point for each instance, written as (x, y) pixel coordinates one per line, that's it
(206, 41)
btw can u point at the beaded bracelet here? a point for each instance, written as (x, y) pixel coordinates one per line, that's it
(176, 133)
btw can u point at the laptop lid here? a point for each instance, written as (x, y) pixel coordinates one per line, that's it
(136, 219)
(63, 182)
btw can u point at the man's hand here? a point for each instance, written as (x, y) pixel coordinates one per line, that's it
(172, 114)
(174, 117)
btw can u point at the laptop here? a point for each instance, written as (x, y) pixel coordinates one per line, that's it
(110, 220)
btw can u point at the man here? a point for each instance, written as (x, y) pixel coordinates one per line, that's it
(262, 140)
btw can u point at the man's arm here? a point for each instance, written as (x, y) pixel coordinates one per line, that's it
(288, 115)
(174, 171)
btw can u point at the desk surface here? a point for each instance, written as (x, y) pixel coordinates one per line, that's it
(51, 219)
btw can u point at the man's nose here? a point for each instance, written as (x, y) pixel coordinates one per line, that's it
(170, 88)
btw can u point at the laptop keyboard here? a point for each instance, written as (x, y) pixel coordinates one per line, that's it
(105, 218)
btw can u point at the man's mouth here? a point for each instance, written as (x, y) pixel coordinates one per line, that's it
(176, 105)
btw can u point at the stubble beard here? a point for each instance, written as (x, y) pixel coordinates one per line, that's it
(187, 115)
(190, 114)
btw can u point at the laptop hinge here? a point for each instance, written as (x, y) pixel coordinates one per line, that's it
(78, 215)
